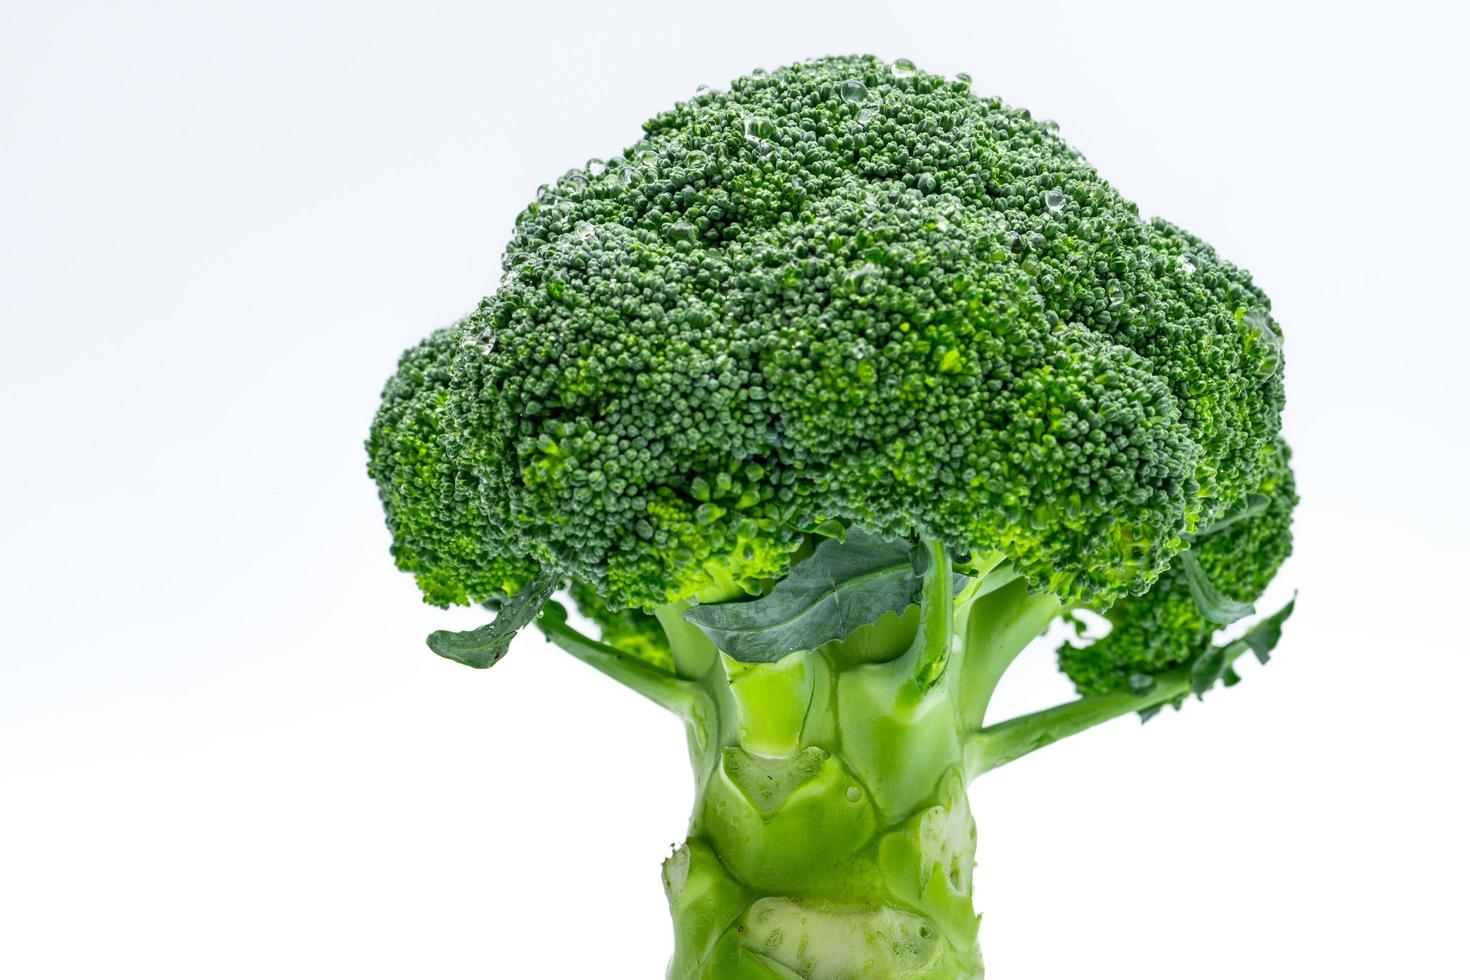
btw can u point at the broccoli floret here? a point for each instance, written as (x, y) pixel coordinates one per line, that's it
(833, 292)
(1166, 629)
(433, 502)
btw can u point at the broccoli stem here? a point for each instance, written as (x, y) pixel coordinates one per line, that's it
(831, 833)
(685, 699)
(999, 625)
(995, 745)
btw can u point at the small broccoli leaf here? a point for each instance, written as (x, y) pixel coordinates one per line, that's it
(1214, 606)
(919, 559)
(831, 529)
(1254, 507)
(1216, 665)
(1208, 668)
(844, 584)
(483, 647)
(1264, 636)
(1152, 711)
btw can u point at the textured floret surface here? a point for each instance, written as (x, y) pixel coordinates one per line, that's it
(835, 290)
(1165, 628)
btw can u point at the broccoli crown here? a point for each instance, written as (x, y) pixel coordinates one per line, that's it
(1165, 629)
(844, 290)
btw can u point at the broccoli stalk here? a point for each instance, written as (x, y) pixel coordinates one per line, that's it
(831, 832)
(823, 401)
(831, 829)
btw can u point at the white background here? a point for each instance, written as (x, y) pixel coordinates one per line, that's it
(224, 750)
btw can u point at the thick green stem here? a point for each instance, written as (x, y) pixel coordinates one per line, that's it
(791, 870)
(695, 657)
(831, 834)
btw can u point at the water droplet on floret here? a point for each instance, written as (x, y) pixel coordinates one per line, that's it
(903, 68)
(863, 279)
(759, 128)
(1269, 340)
(1055, 200)
(852, 90)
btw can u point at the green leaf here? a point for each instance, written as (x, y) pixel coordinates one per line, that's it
(1254, 506)
(1208, 668)
(1216, 665)
(831, 529)
(1214, 606)
(1264, 636)
(483, 647)
(843, 585)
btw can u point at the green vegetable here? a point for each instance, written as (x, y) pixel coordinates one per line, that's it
(823, 400)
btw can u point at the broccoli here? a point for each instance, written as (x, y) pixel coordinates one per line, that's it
(822, 401)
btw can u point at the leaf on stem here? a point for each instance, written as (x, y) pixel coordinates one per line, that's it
(1254, 506)
(1213, 605)
(845, 584)
(1215, 665)
(483, 647)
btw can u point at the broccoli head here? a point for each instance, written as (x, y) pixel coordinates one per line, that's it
(832, 292)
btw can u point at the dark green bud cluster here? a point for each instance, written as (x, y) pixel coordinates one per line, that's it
(838, 290)
(1165, 629)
